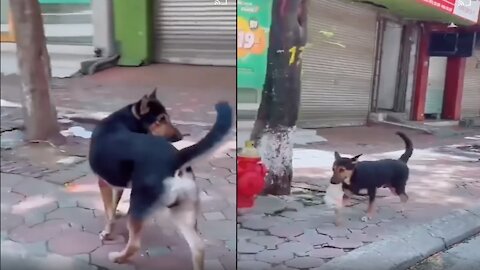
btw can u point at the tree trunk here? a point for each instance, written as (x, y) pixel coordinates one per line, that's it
(278, 111)
(40, 116)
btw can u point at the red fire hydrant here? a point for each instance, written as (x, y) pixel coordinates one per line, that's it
(251, 176)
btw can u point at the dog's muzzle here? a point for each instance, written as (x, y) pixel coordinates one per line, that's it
(335, 181)
(177, 137)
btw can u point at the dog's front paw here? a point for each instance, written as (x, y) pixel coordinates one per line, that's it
(365, 218)
(117, 257)
(105, 235)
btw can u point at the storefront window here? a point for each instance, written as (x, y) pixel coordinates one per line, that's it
(66, 22)
(6, 33)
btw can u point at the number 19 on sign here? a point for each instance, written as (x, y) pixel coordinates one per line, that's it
(245, 40)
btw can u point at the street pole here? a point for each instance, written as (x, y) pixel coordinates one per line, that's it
(40, 116)
(278, 111)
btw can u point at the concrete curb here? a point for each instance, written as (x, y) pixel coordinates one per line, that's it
(401, 251)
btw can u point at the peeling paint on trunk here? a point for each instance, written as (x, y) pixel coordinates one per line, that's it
(276, 149)
(27, 99)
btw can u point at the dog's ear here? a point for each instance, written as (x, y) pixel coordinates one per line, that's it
(143, 107)
(355, 158)
(337, 156)
(153, 95)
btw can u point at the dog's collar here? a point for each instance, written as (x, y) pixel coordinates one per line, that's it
(135, 113)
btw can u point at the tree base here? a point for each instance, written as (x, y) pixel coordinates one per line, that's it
(280, 184)
(276, 150)
(55, 141)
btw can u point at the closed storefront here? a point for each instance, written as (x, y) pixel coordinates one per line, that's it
(338, 64)
(201, 32)
(471, 86)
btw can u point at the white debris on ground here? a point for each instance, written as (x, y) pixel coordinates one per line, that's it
(312, 158)
(69, 160)
(77, 131)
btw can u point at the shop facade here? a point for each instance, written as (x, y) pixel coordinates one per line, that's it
(363, 58)
(470, 106)
(194, 32)
(338, 64)
(447, 73)
(426, 65)
(253, 31)
(179, 32)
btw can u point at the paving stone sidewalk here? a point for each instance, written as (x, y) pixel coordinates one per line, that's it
(298, 232)
(49, 225)
(51, 214)
(52, 223)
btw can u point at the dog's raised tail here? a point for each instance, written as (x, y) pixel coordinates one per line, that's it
(408, 147)
(213, 139)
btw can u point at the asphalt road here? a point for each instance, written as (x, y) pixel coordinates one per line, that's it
(464, 256)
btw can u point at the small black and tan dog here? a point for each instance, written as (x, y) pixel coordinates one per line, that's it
(357, 175)
(131, 148)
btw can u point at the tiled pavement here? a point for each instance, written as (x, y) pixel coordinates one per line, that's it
(53, 223)
(297, 231)
(47, 225)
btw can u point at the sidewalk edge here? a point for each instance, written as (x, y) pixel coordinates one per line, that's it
(405, 249)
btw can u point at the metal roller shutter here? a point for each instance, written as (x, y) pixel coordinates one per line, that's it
(337, 79)
(471, 87)
(195, 32)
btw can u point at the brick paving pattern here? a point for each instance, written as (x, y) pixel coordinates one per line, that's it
(298, 231)
(42, 216)
(51, 210)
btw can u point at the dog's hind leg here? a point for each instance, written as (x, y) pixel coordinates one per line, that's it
(107, 193)
(400, 189)
(142, 201)
(185, 218)
(372, 193)
(135, 227)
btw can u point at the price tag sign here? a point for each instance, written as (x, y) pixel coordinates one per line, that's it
(253, 27)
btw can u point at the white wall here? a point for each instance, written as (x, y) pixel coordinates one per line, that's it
(411, 71)
(387, 85)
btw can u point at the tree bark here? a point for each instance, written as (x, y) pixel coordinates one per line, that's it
(40, 116)
(278, 111)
